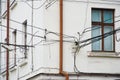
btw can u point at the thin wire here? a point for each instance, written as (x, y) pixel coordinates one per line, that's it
(50, 4)
(105, 21)
(86, 12)
(27, 25)
(16, 45)
(38, 43)
(85, 17)
(13, 58)
(69, 41)
(110, 0)
(11, 50)
(36, 7)
(23, 32)
(85, 30)
(43, 29)
(75, 66)
(47, 33)
(38, 70)
(11, 64)
(12, 61)
(108, 33)
(97, 38)
(93, 2)
(47, 44)
(75, 55)
(94, 39)
(64, 35)
(20, 1)
(51, 42)
(64, 0)
(32, 37)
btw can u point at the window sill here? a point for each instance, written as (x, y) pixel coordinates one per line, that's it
(14, 3)
(104, 54)
(23, 63)
(13, 68)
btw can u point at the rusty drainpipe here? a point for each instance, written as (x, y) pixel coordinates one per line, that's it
(7, 53)
(61, 42)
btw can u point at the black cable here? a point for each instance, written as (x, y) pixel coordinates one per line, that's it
(48, 31)
(23, 32)
(85, 30)
(94, 39)
(27, 24)
(16, 45)
(97, 38)
(64, 35)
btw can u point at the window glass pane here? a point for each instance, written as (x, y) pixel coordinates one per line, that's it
(96, 31)
(108, 41)
(96, 15)
(108, 16)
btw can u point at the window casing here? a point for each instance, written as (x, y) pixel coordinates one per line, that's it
(14, 34)
(25, 37)
(103, 22)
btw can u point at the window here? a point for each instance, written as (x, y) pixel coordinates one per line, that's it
(25, 37)
(103, 22)
(12, 54)
(14, 35)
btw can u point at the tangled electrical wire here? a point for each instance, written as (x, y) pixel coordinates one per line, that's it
(90, 40)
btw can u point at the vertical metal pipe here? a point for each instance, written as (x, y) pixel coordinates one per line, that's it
(61, 35)
(61, 41)
(1, 40)
(0, 57)
(32, 66)
(0, 8)
(7, 53)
